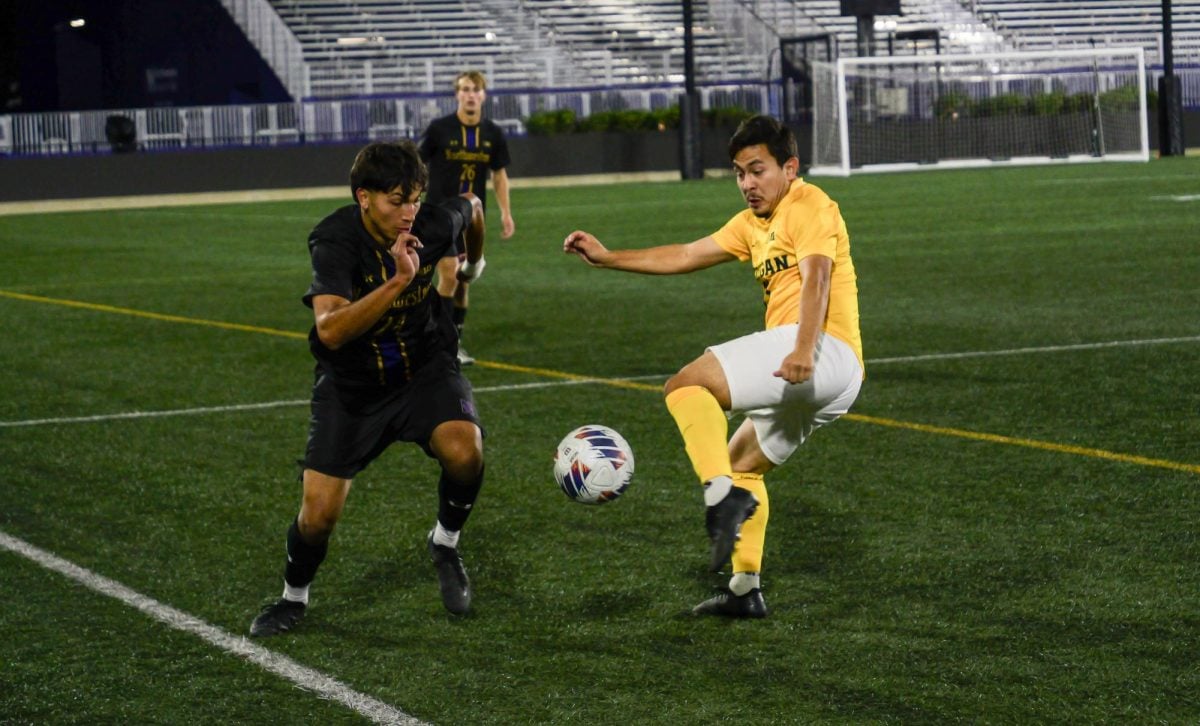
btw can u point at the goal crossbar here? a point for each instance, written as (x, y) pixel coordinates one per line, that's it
(903, 113)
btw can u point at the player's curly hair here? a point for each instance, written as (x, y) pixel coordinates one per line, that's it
(778, 138)
(384, 165)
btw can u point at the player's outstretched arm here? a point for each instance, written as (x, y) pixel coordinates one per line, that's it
(661, 260)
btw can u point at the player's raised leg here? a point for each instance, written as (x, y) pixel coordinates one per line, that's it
(453, 293)
(697, 398)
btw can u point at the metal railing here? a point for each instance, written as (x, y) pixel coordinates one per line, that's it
(275, 41)
(341, 121)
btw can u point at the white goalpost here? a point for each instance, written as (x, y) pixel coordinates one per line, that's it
(900, 113)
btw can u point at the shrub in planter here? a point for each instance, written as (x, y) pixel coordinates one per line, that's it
(544, 123)
(724, 117)
(564, 121)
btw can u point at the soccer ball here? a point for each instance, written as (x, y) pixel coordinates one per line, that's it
(593, 464)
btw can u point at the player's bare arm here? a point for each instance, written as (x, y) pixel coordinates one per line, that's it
(340, 321)
(500, 186)
(798, 365)
(661, 260)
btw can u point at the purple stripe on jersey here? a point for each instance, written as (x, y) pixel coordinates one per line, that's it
(471, 142)
(393, 362)
(389, 349)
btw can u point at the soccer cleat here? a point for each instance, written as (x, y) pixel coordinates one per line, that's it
(452, 577)
(724, 523)
(464, 358)
(278, 617)
(726, 604)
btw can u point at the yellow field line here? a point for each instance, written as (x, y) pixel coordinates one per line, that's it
(153, 316)
(548, 373)
(1029, 443)
(563, 375)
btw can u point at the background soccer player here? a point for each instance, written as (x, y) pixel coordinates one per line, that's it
(461, 149)
(386, 367)
(803, 371)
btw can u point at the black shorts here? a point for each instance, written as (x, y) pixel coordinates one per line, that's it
(351, 426)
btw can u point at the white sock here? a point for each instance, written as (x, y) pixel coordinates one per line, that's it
(295, 594)
(743, 582)
(716, 488)
(444, 537)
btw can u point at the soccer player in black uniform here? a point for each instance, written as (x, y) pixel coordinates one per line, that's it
(461, 149)
(386, 369)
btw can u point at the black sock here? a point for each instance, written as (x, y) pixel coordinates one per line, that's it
(303, 558)
(459, 316)
(456, 499)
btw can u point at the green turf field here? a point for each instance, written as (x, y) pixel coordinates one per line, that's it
(1002, 536)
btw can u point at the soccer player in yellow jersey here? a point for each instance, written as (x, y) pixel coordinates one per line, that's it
(800, 373)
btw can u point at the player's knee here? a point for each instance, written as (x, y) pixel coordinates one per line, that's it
(682, 379)
(316, 522)
(476, 203)
(458, 446)
(465, 466)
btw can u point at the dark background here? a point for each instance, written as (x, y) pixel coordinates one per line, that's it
(130, 54)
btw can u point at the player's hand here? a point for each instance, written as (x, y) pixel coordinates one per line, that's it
(507, 226)
(469, 271)
(587, 247)
(796, 367)
(404, 252)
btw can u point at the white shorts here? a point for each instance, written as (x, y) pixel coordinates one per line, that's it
(785, 414)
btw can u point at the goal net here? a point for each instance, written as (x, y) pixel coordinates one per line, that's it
(899, 113)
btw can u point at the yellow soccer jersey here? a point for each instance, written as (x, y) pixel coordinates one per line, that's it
(806, 222)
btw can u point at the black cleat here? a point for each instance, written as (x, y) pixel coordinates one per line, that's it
(278, 617)
(452, 577)
(724, 523)
(725, 603)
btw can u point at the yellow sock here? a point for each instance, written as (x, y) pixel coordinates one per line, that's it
(704, 428)
(748, 554)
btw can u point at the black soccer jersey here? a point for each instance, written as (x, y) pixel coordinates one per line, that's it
(460, 156)
(349, 263)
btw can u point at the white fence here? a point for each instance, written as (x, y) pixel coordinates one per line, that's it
(355, 120)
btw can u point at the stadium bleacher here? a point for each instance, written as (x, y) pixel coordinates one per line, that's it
(357, 47)
(1035, 25)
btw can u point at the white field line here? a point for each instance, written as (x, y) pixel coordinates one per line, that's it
(272, 404)
(1179, 198)
(1040, 349)
(307, 678)
(583, 381)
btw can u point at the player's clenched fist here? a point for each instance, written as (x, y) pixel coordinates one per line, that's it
(586, 246)
(404, 252)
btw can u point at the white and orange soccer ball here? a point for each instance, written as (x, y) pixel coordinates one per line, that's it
(593, 464)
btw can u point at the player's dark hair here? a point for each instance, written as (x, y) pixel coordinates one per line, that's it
(777, 137)
(383, 166)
